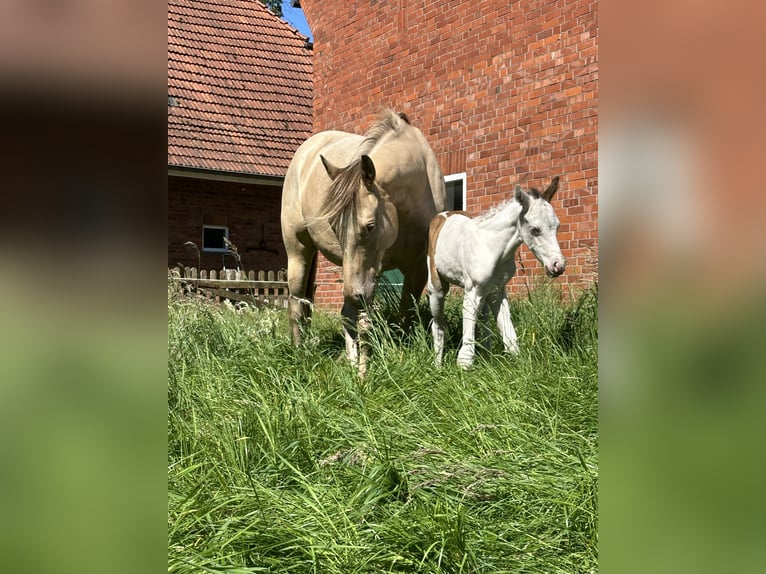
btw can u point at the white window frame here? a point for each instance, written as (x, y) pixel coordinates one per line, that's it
(459, 177)
(215, 249)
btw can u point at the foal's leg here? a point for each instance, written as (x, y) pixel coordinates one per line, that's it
(485, 332)
(501, 310)
(436, 296)
(472, 303)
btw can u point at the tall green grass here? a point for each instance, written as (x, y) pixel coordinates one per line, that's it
(283, 460)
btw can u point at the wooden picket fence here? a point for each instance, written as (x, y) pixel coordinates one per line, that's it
(255, 287)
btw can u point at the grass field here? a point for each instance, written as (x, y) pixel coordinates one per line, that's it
(283, 460)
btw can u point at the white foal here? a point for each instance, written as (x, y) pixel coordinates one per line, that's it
(478, 254)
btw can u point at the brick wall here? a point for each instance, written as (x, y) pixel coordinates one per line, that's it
(250, 211)
(504, 91)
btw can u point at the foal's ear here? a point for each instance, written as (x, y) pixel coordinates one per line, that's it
(522, 197)
(548, 193)
(368, 170)
(331, 170)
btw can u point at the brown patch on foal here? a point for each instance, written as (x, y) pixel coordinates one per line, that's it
(434, 228)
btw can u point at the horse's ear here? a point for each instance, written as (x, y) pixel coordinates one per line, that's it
(522, 197)
(368, 170)
(331, 170)
(548, 193)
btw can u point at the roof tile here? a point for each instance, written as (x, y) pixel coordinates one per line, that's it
(239, 87)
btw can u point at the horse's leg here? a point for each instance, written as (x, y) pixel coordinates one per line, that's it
(350, 315)
(363, 337)
(356, 327)
(436, 297)
(299, 266)
(414, 282)
(501, 310)
(472, 303)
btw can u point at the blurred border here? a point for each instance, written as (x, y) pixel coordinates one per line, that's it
(82, 249)
(82, 238)
(682, 307)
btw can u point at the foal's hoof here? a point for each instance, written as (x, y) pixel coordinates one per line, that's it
(465, 357)
(465, 363)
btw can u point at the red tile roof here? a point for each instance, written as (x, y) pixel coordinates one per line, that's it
(239, 87)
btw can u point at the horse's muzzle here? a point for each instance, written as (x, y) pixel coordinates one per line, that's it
(358, 300)
(360, 293)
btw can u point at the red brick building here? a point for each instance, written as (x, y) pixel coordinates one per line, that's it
(239, 105)
(505, 92)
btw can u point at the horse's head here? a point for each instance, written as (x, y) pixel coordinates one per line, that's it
(366, 224)
(538, 227)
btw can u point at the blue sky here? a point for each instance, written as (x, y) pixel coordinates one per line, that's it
(296, 18)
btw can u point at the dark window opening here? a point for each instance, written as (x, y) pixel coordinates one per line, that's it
(455, 191)
(213, 236)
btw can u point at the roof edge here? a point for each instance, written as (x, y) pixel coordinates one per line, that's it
(220, 175)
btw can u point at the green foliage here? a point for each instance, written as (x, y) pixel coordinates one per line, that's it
(274, 5)
(283, 460)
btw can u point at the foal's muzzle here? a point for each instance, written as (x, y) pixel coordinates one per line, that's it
(556, 268)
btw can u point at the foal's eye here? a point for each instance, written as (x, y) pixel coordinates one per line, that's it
(535, 231)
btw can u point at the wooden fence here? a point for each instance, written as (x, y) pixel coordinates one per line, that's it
(256, 287)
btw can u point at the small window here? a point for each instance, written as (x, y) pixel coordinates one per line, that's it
(455, 188)
(212, 238)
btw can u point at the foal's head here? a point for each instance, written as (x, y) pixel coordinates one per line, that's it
(538, 226)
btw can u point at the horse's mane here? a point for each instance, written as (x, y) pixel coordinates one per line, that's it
(341, 201)
(388, 122)
(341, 204)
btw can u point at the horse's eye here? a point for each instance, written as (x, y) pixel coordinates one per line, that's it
(370, 227)
(535, 231)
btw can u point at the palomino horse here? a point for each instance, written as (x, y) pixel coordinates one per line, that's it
(369, 215)
(478, 254)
